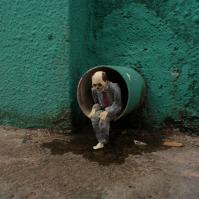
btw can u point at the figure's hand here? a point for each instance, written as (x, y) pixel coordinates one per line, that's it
(103, 115)
(93, 111)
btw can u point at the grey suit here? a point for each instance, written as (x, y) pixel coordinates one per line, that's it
(101, 127)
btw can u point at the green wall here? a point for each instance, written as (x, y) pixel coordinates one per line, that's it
(160, 40)
(47, 45)
(42, 47)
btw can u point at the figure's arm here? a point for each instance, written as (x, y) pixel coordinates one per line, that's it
(96, 105)
(117, 103)
(94, 95)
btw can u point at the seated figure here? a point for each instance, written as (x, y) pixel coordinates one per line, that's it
(107, 106)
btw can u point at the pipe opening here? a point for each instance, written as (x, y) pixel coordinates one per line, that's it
(84, 94)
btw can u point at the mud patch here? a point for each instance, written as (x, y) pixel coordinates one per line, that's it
(121, 145)
(42, 164)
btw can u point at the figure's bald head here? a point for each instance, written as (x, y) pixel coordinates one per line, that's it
(99, 75)
(99, 80)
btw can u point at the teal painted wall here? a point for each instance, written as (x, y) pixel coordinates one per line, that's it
(82, 53)
(47, 45)
(42, 48)
(160, 40)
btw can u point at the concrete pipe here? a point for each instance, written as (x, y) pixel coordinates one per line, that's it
(131, 83)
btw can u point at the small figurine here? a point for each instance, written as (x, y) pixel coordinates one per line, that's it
(107, 106)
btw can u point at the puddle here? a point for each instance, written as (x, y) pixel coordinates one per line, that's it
(119, 148)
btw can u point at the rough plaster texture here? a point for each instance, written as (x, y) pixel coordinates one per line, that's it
(39, 40)
(159, 39)
(47, 45)
(82, 52)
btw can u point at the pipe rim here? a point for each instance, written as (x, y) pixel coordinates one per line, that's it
(124, 110)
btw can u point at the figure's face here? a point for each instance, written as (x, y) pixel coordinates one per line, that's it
(97, 81)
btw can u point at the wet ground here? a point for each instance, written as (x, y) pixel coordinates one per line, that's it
(43, 164)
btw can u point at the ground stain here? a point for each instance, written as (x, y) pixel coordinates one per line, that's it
(121, 145)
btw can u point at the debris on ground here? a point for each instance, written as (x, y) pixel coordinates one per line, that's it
(173, 144)
(139, 143)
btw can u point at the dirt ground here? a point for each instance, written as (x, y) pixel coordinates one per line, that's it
(42, 164)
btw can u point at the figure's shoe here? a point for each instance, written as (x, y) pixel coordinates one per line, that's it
(99, 146)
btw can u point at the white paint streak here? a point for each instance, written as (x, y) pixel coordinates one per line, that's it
(128, 76)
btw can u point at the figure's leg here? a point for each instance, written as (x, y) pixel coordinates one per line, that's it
(104, 126)
(95, 123)
(101, 128)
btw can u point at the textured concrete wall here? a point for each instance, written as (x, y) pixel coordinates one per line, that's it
(160, 40)
(39, 40)
(82, 53)
(47, 45)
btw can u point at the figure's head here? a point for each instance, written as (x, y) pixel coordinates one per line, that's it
(99, 80)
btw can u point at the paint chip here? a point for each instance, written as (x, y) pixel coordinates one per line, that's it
(128, 76)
